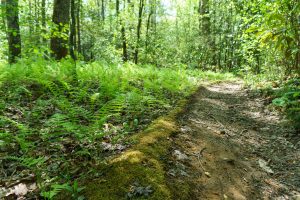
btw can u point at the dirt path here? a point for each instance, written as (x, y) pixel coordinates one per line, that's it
(231, 147)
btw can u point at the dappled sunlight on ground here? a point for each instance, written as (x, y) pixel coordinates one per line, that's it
(226, 131)
(224, 144)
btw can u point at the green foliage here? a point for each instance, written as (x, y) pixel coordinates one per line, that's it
(28, 162)
(139, 191)
(288, 99)
(74, 191)
(276, 31)
(71, 107)
(52, 121)
(56, 189)
(285, 93)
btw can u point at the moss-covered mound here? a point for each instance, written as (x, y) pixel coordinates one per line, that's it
(139, 173)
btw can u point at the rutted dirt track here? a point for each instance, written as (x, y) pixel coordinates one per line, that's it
(231, 147)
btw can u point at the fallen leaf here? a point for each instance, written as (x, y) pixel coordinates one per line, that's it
(264, 165)
(180, 156)
(207, 174)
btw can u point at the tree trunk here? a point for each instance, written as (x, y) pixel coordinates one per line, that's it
(30, 18)
(124, 44)
(205, 31)
(124, 40)
(43, 12)
(139, 26)
(72, 38)
(117, 7)
(148, 26)
(13, 29)
(204, 16)
(36, 15)
(61, 17)
(154, 15)
(3, 14)
(44, 27)
(3, 19)
(78, 26)
(102, 10)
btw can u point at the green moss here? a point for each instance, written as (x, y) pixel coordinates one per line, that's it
(143, 163)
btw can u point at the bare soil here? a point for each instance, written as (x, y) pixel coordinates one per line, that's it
(232, 146)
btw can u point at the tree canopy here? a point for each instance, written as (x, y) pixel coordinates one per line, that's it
(234, 35)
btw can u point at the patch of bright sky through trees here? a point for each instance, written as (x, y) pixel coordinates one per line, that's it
(169, 6)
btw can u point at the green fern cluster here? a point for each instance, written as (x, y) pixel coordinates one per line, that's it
(288, 99)
(57, 113)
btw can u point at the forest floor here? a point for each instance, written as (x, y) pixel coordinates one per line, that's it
(226, 143)
(231, 146)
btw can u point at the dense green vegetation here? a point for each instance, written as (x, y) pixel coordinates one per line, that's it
(282, 93)
(78, 77)
(288, 99)
(236, 35)
(79, 116)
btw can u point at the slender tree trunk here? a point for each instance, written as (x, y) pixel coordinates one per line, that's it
(78, 11)
(102, 10)
(36, 15)
(124, 44)
(153, 20)
(43, 15)
(200, 16)
(30, 18)
(123, 31)
(72, 38)
(204, 31)
(124, 40)
(213, 36)
(117, 7)
(139, 26)
(61, 12)
(13, 29)
(3, 14)
(3, 19)
(204, 17)
(225, 54)
(43, 12)
(148, 27)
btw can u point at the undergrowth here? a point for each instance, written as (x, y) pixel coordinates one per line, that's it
(288, 99)
(284, 93)
(58, 120)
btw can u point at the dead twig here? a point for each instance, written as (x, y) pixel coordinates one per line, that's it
(199, 155)
(216, 120)
(201, 151)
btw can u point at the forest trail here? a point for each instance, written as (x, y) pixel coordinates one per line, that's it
(230, 146)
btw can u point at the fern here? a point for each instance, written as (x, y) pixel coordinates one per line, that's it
(33, 162)
(27, 161)
(55, 190)
(24, 144)
(20, 138)
(61, 122)
(74, 191)
(113, 107)
(61, 114)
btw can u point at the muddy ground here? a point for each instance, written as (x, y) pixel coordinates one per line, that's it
(231, 145)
